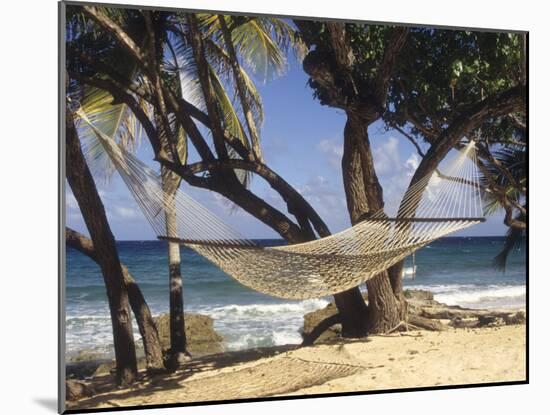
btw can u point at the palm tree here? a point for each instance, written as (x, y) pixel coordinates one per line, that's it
(170, 34)
(84, 189)
(503, 168)
(164, 34)
(114, 119)
(119, 122)
(205, 90)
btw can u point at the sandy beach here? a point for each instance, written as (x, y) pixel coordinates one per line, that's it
(400, 360)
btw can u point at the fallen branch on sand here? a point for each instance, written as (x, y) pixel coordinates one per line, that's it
(424, 314)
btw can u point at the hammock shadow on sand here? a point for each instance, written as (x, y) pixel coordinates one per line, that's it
(276, 373)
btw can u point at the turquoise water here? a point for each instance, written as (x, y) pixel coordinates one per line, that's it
(458, 270)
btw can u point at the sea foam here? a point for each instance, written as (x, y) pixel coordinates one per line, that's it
(473, 296)
(261, 325)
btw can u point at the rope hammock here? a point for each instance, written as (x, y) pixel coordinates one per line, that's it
(437, 205)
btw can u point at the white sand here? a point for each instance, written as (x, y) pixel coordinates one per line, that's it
(414, 359)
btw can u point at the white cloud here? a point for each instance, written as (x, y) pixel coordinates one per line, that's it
(393, 173)
(70, 201)
(333, 150)
(328, 199)
(412, 164)
(386, 157)
(124, 212)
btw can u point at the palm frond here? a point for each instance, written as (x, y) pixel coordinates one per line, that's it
(223, 67)
(261, 54)
(513, 160)
(115, 120)
(514, 240)
(286, 36)
(226, 105)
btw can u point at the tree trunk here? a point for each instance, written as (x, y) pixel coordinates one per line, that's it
(351, 305)
(353, 313)
(146, 324)
(93, 212)
(331, 67)
(177, 355)
(142, 313)
(468, 120)
(385, 311)
(364, 198)
(178, 341)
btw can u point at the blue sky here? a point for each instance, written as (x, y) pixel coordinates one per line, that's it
(302, 141)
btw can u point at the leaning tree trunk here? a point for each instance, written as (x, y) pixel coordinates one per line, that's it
(93, 212)
(364, 197)
(146, 323)
(332, 68)
(178, 343)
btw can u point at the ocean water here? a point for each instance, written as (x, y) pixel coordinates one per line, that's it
(458, 270)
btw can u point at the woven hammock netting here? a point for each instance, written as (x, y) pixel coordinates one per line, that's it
(437, 205)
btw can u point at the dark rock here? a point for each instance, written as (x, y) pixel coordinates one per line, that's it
(422, 295)
(201, 336)
(104, 368)
(485, 318)
(449, 312)
(490, 321)
(515, 318)
(437, 313)
(84, 369)
(87, 355)
(202, 339)
(424, 312)
(464, 323)
(312, 319)
(77, 390)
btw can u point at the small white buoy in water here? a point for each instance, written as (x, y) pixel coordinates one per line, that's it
(410, 272)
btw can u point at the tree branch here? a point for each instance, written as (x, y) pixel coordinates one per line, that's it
(119, 33)
(121, 81)
(391, 53)
(470, 118)
(408, 137)
(155, 55)
(488, 156)
(295, 201)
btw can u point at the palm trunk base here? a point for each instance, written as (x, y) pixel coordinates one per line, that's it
(353, 313)
(176, 360)
(386, 310)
